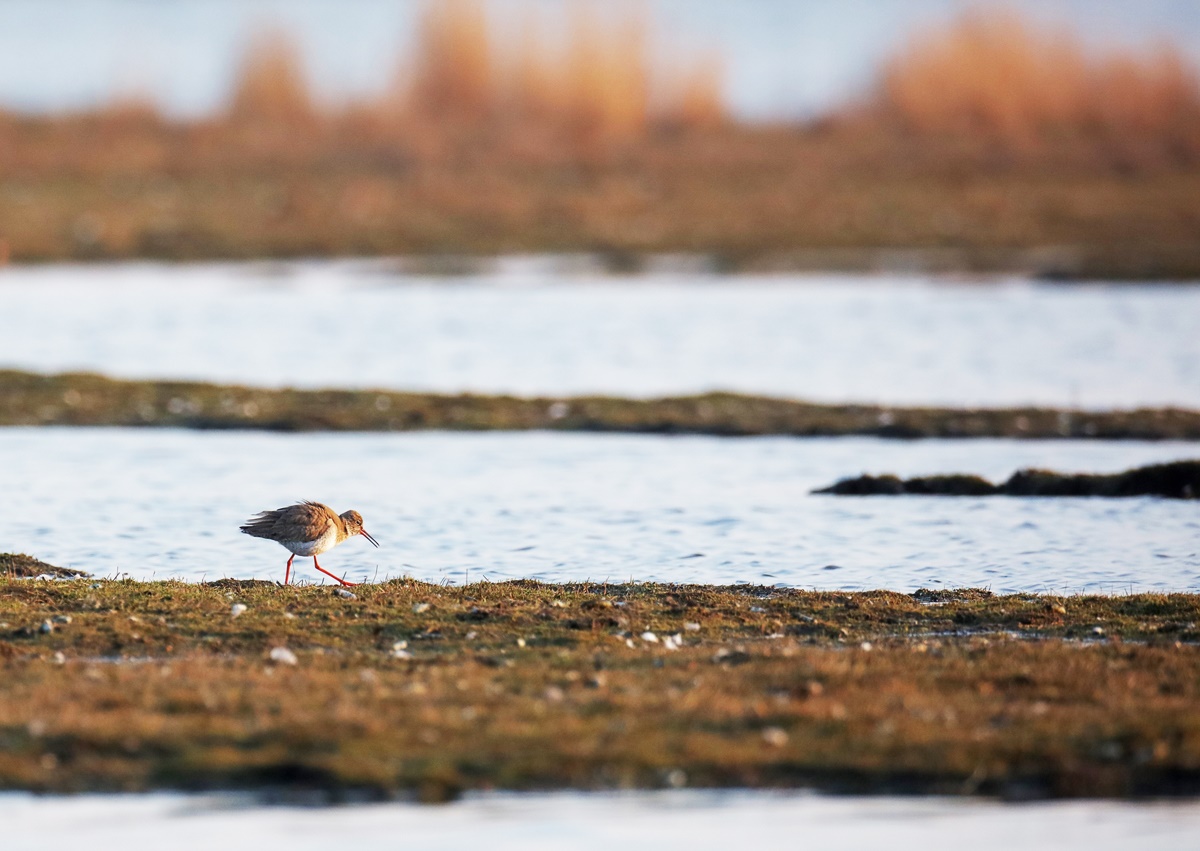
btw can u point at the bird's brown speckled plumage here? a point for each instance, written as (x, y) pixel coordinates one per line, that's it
(307, 529)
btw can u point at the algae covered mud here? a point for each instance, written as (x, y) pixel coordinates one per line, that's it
(405, 688)
(93, 400)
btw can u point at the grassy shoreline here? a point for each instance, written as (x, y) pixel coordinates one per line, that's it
(82, 399)
(755, 199)
(411, 689)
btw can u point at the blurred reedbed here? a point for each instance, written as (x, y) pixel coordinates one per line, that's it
(995, 77)
(583, 131)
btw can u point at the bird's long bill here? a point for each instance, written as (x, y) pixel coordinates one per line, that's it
(368, 537)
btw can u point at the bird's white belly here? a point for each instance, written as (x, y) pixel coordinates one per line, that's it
(315, 547)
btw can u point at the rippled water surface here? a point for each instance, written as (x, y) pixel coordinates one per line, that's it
(545, 326)
(561, 507)
(652, 821)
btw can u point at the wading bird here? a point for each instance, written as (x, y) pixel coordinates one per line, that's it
(307, 529)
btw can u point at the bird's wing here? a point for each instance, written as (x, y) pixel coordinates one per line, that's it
(303, 521)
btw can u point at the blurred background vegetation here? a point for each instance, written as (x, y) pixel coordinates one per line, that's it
(986, 141)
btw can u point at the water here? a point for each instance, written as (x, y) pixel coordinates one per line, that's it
(527, 328)
(571, 507)
(651, 821)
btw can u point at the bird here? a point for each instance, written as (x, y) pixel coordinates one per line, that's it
(307, 529)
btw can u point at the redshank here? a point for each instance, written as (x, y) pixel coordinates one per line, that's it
(307, 529)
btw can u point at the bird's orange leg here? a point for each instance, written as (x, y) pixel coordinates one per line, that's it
(287, 573)
(327, 573)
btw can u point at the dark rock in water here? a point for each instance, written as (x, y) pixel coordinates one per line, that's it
(866, 486)
(27, 567)
(928, 485)
(1176, 480)
(951, 486)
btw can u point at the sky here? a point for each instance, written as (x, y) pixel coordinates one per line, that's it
(782, 58)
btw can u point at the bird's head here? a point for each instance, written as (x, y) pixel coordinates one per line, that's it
(354, 526)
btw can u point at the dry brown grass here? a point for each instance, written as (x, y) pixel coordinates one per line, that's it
(996, 77)
(454, 77)
(992, 147)
(587, 72)
(271, 86)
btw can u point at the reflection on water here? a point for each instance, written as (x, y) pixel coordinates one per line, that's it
(530, 328)
(561, 507)
(653, 821)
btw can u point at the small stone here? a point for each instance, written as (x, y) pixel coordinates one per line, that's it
(649, 636)
(237, 610)
(60, 658)
(289, 616)
(776, 737)
(731, 657)
(63, 619)
(673, 642)
(399, 645)
(1097, 630)
(283, 656)
(472, 635)
(554, 694)
(344, 594)
(677, 778)
(1058, 609)
(692, 626)
(520, 642)
(558, 604)
(46, 628)
(420, 608)
(865, 647)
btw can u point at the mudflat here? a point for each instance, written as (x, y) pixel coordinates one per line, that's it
(407, 689)
(88, 399)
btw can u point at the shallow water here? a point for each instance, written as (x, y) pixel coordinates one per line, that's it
(532, 326)
(653, 821)
(562, 507)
